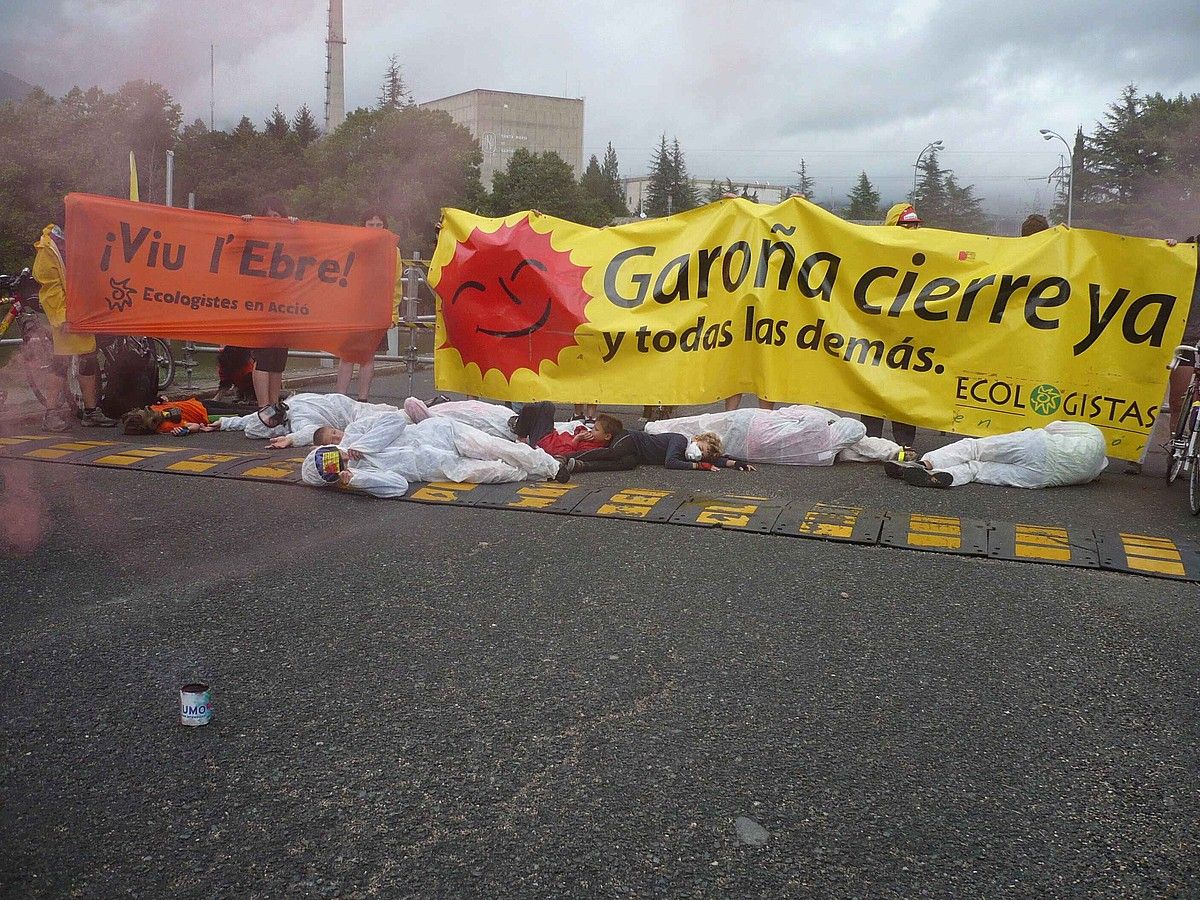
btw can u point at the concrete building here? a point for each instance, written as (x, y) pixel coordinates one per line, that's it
(502, 121)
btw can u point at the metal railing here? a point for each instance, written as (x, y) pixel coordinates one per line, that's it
(414, 277)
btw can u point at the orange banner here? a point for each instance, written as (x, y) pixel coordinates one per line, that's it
(137, 268)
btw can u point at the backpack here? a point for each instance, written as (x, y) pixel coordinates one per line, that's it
(130, 381)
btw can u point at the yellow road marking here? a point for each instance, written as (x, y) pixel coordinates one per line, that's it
(1152, 554)
(636, 502)
(934, 531)
(442, 491)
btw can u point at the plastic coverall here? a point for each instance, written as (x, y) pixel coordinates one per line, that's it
(438, 449)
(791, 436)
(1061, 453)
(307, 413)
(49, 271)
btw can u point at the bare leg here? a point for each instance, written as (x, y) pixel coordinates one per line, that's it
(262, 387)
(765, 404)
(276, 386)
(732, 403)
(89, 386)
(366, 372)
(344, 375)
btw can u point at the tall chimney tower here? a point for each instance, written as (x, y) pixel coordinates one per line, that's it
(335, 70)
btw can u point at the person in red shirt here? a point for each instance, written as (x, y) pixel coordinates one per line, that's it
(534, 425)
(176, 417)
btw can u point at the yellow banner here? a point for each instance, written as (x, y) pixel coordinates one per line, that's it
(959, 332)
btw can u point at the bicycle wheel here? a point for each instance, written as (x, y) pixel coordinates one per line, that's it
(164, 358)
(1177, 451)
(37, 359)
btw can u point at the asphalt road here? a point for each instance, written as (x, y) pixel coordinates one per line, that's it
(429, 701)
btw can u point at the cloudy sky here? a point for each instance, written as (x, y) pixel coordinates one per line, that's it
(749, 88)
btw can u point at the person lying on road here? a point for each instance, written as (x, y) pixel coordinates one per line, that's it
(1061, 453)
(177, 417)
(629, 449)
(789, 436)
(291, 423)
(383, 453)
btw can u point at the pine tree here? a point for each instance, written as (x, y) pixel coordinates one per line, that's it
(659, 182)
(305, 126)
(612, 177)
(1118, 146)
(394, 93)
(803, 186)
(930, 196)
(245, 130)
(963, 209)
(277, 126)
(596, 193)
(684, 194)
(864, 200)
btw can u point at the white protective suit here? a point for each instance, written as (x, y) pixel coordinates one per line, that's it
(306, 413)
(490, 418)
(437, 449)
(791, 436)
(1061, 453)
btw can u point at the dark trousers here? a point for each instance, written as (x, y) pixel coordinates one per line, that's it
(535, 421)
(903, 433)
(616, 457)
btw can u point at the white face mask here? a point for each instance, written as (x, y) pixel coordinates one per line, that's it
(693, 453)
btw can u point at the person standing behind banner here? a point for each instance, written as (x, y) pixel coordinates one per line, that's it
(49, 271)
(904, 434)
(269, 362)
(366, 370)
(1033, 224)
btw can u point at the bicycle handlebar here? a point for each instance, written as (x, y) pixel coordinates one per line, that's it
(1193, 355)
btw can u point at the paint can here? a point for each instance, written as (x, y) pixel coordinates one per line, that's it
(195, 704)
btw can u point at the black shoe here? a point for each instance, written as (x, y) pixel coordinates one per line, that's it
(895, 469)
(565, 468)
(434, 401)
(919, 476)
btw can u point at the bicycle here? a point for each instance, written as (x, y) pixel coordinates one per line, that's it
(36, 354)
(164, 356)
(1184, 448)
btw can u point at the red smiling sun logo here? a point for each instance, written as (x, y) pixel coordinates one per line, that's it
(510, 300)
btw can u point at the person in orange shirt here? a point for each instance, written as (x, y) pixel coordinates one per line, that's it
(178, 417)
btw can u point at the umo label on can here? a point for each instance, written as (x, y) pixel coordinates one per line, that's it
(195, 704)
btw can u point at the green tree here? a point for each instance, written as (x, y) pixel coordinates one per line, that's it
(407, 163)
(803, 186)
(394, 93)
(863, 200)
(544, 181)
(304, 125)
(277, 127)
(615, 189)
(930, 196)
(669, 189)
(964, 210)
(595, 204)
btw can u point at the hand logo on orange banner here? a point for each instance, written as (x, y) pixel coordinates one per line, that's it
(138, 268)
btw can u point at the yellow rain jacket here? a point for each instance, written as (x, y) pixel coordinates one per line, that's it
(51, 274)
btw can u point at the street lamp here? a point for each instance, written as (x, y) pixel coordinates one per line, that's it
(1048, 135)
(936, 145)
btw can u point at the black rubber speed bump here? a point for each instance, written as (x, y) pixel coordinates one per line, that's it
(1043, 543)
(739, 513)
(643, 504)
(222, 463)
(1147, 555)
(18, 444)
(830, 522)
(57, 450)
(940, 534)
(284, 469)
(447, 493)
(129, 456)
(544, 496)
